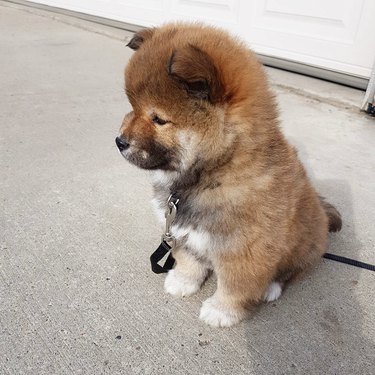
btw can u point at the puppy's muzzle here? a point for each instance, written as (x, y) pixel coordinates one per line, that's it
(121, 144)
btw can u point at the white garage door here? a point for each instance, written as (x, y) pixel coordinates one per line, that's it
(337, 35)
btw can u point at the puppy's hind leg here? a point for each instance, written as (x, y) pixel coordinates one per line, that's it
(187, 276)
(273, 292)
(239, 282)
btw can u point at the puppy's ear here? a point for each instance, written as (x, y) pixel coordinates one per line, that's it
(195, 71)
(139, 38)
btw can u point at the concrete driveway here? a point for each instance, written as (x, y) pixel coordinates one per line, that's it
(77, 295)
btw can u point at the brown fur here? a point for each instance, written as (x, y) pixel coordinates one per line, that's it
(221, 151)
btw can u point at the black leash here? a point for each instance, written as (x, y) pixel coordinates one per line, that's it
(158, 255)
(168, 241)
(164, 248)
(352, 262)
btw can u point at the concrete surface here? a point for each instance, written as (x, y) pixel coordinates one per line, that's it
(76, 292)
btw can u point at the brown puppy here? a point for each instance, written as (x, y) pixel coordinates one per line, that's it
(205, 123)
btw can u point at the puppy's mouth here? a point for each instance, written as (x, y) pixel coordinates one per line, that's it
(161, 159)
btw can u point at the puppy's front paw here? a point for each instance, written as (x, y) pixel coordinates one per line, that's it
(180, 285)
(273, 292)
(215, 314)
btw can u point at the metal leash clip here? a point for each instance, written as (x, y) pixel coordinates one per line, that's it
(170, 215)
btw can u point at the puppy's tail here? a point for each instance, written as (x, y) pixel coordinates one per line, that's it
(334, 217)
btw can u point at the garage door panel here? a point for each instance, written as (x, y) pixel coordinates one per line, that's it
(315, 20)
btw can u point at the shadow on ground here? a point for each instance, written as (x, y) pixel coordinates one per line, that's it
(318, 326)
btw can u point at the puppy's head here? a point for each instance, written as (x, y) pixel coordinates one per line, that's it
(177, 88)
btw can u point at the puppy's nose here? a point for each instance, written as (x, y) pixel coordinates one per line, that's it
(121, 144)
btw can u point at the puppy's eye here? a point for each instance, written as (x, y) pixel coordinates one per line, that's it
(158, 120)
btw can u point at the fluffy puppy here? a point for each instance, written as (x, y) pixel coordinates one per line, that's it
(206, 125)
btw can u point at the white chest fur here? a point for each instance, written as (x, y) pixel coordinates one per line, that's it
(200, 241)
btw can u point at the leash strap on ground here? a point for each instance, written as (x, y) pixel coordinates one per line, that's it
(164, 248)
(352, 262)
(158, 255)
